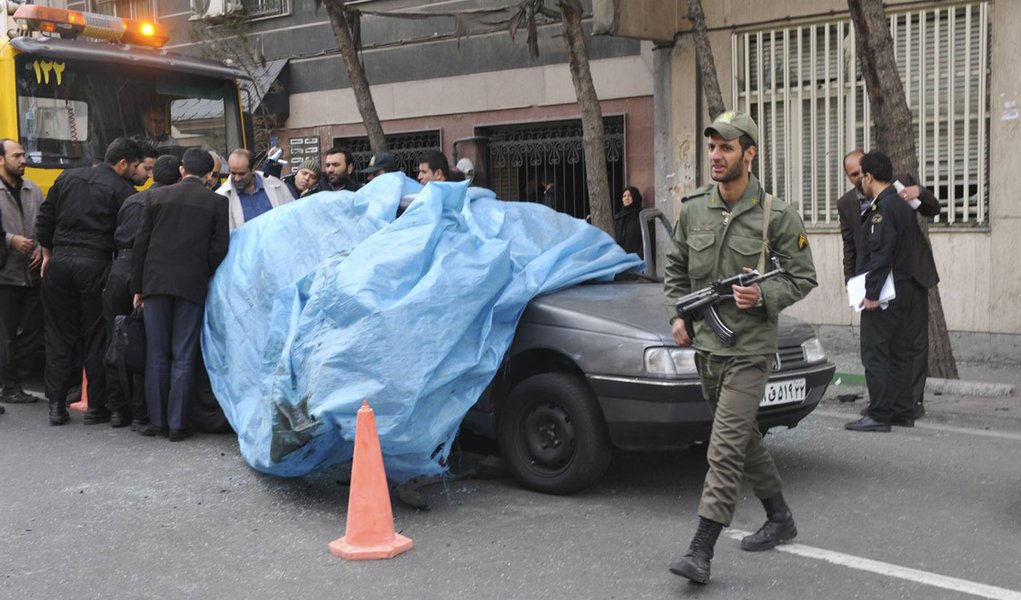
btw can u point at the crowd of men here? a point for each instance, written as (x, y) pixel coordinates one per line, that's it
(96, 249)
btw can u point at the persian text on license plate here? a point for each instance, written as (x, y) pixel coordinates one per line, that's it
(783, 392)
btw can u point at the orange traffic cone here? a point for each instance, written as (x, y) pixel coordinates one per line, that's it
(370, 523)
(83, 404)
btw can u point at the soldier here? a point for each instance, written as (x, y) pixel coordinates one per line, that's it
(719, 233)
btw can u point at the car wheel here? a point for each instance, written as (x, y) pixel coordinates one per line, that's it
(552, 434)
(206, 414)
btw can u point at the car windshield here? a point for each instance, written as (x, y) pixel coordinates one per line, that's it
(70, 111)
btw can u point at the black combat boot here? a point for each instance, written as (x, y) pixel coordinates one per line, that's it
(779, 526)
(695, 563)
(58, 412)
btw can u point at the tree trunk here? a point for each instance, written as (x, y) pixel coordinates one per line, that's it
(591, 117)
(706, 63)
(356, 74)
(895, 137)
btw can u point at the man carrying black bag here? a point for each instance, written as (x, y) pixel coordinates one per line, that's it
(125, 392)
(181, 240)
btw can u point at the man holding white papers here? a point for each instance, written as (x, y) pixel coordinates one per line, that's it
(888, 234)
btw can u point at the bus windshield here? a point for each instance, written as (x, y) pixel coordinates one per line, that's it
(70, 111)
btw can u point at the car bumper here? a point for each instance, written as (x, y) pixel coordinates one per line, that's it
(658, 414)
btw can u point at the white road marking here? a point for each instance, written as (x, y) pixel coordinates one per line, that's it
(881, 568)
(1003, 435)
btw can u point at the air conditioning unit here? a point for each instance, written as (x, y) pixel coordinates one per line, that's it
(211, 9)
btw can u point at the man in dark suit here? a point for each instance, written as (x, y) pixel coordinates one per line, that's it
(850, 207)
(181, 240)
(75, 229)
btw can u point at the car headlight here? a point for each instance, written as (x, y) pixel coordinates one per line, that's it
(670, 361)
(812, 348)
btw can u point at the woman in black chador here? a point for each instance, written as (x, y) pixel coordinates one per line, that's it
(626, 226)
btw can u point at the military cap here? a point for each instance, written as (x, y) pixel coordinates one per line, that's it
(731, 124)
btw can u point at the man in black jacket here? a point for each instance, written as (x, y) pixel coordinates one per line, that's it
(181, 240)
(888, 233)
(75, 229)
(124, 391)
(850, 208)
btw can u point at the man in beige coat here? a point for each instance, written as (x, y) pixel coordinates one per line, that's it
(250, 193)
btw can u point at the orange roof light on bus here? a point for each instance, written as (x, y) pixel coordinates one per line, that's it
(72, 23)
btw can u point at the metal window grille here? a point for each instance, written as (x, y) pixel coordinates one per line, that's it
(143, 10)
(406, 148)
(264, 8)
(803, 86)
(545, 162)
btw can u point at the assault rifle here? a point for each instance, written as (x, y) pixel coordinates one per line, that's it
(701, 304)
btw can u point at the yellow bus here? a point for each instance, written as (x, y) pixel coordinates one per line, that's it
(73, 81)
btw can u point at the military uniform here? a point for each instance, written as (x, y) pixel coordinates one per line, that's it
(713, 240)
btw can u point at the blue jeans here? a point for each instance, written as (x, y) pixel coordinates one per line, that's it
(172, 331)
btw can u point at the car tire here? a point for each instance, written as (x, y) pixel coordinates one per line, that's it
(206, 414)
(553, 435)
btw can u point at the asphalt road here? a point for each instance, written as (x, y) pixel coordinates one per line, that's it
(94, 512)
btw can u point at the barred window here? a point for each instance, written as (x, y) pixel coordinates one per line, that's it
(407, 149)
(804, 87)
(264, 8)
(142, 10)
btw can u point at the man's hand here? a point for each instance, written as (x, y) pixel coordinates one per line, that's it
(37, 257)
(680, 333)
(746, 297)
(22, 244)
(869, 304)
(47, 254)
(137, 301)
(911, 192)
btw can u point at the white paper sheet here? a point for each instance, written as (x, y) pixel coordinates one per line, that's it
(856, 291)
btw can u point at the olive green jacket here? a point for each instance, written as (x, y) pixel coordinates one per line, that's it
(709, 245)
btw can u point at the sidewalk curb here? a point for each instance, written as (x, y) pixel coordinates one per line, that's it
(934, 385)
(957, 387)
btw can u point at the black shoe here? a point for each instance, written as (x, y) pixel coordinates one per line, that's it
(16, 396)
(58, 412)
(695, 564)
(2, 410)
(902, 421)
(96, 415)
(867, 423)
(119, 418)
(138, 424)
(779, 527)
(177, 435)
(150, 430)
(919, 411)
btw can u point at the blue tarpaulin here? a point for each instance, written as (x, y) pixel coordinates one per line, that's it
(331, 300)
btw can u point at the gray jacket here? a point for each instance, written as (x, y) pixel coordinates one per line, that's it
(19, 221)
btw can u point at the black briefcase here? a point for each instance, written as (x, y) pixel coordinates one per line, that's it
(127, 349)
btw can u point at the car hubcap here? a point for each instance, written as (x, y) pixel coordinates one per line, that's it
(548, 437)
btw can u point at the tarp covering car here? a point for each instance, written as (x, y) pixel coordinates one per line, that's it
(328, 301)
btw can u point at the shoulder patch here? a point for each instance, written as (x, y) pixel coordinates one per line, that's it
(702, 191)
(877, 218)
(802, 242)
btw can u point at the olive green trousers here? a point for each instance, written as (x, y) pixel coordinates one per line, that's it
(733, 386)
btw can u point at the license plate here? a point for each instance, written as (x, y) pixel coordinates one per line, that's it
(783, 392)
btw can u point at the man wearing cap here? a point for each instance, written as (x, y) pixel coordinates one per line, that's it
(250, 193)
(303, 180)
(383, 162)
(339, 166)
(719, 234)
